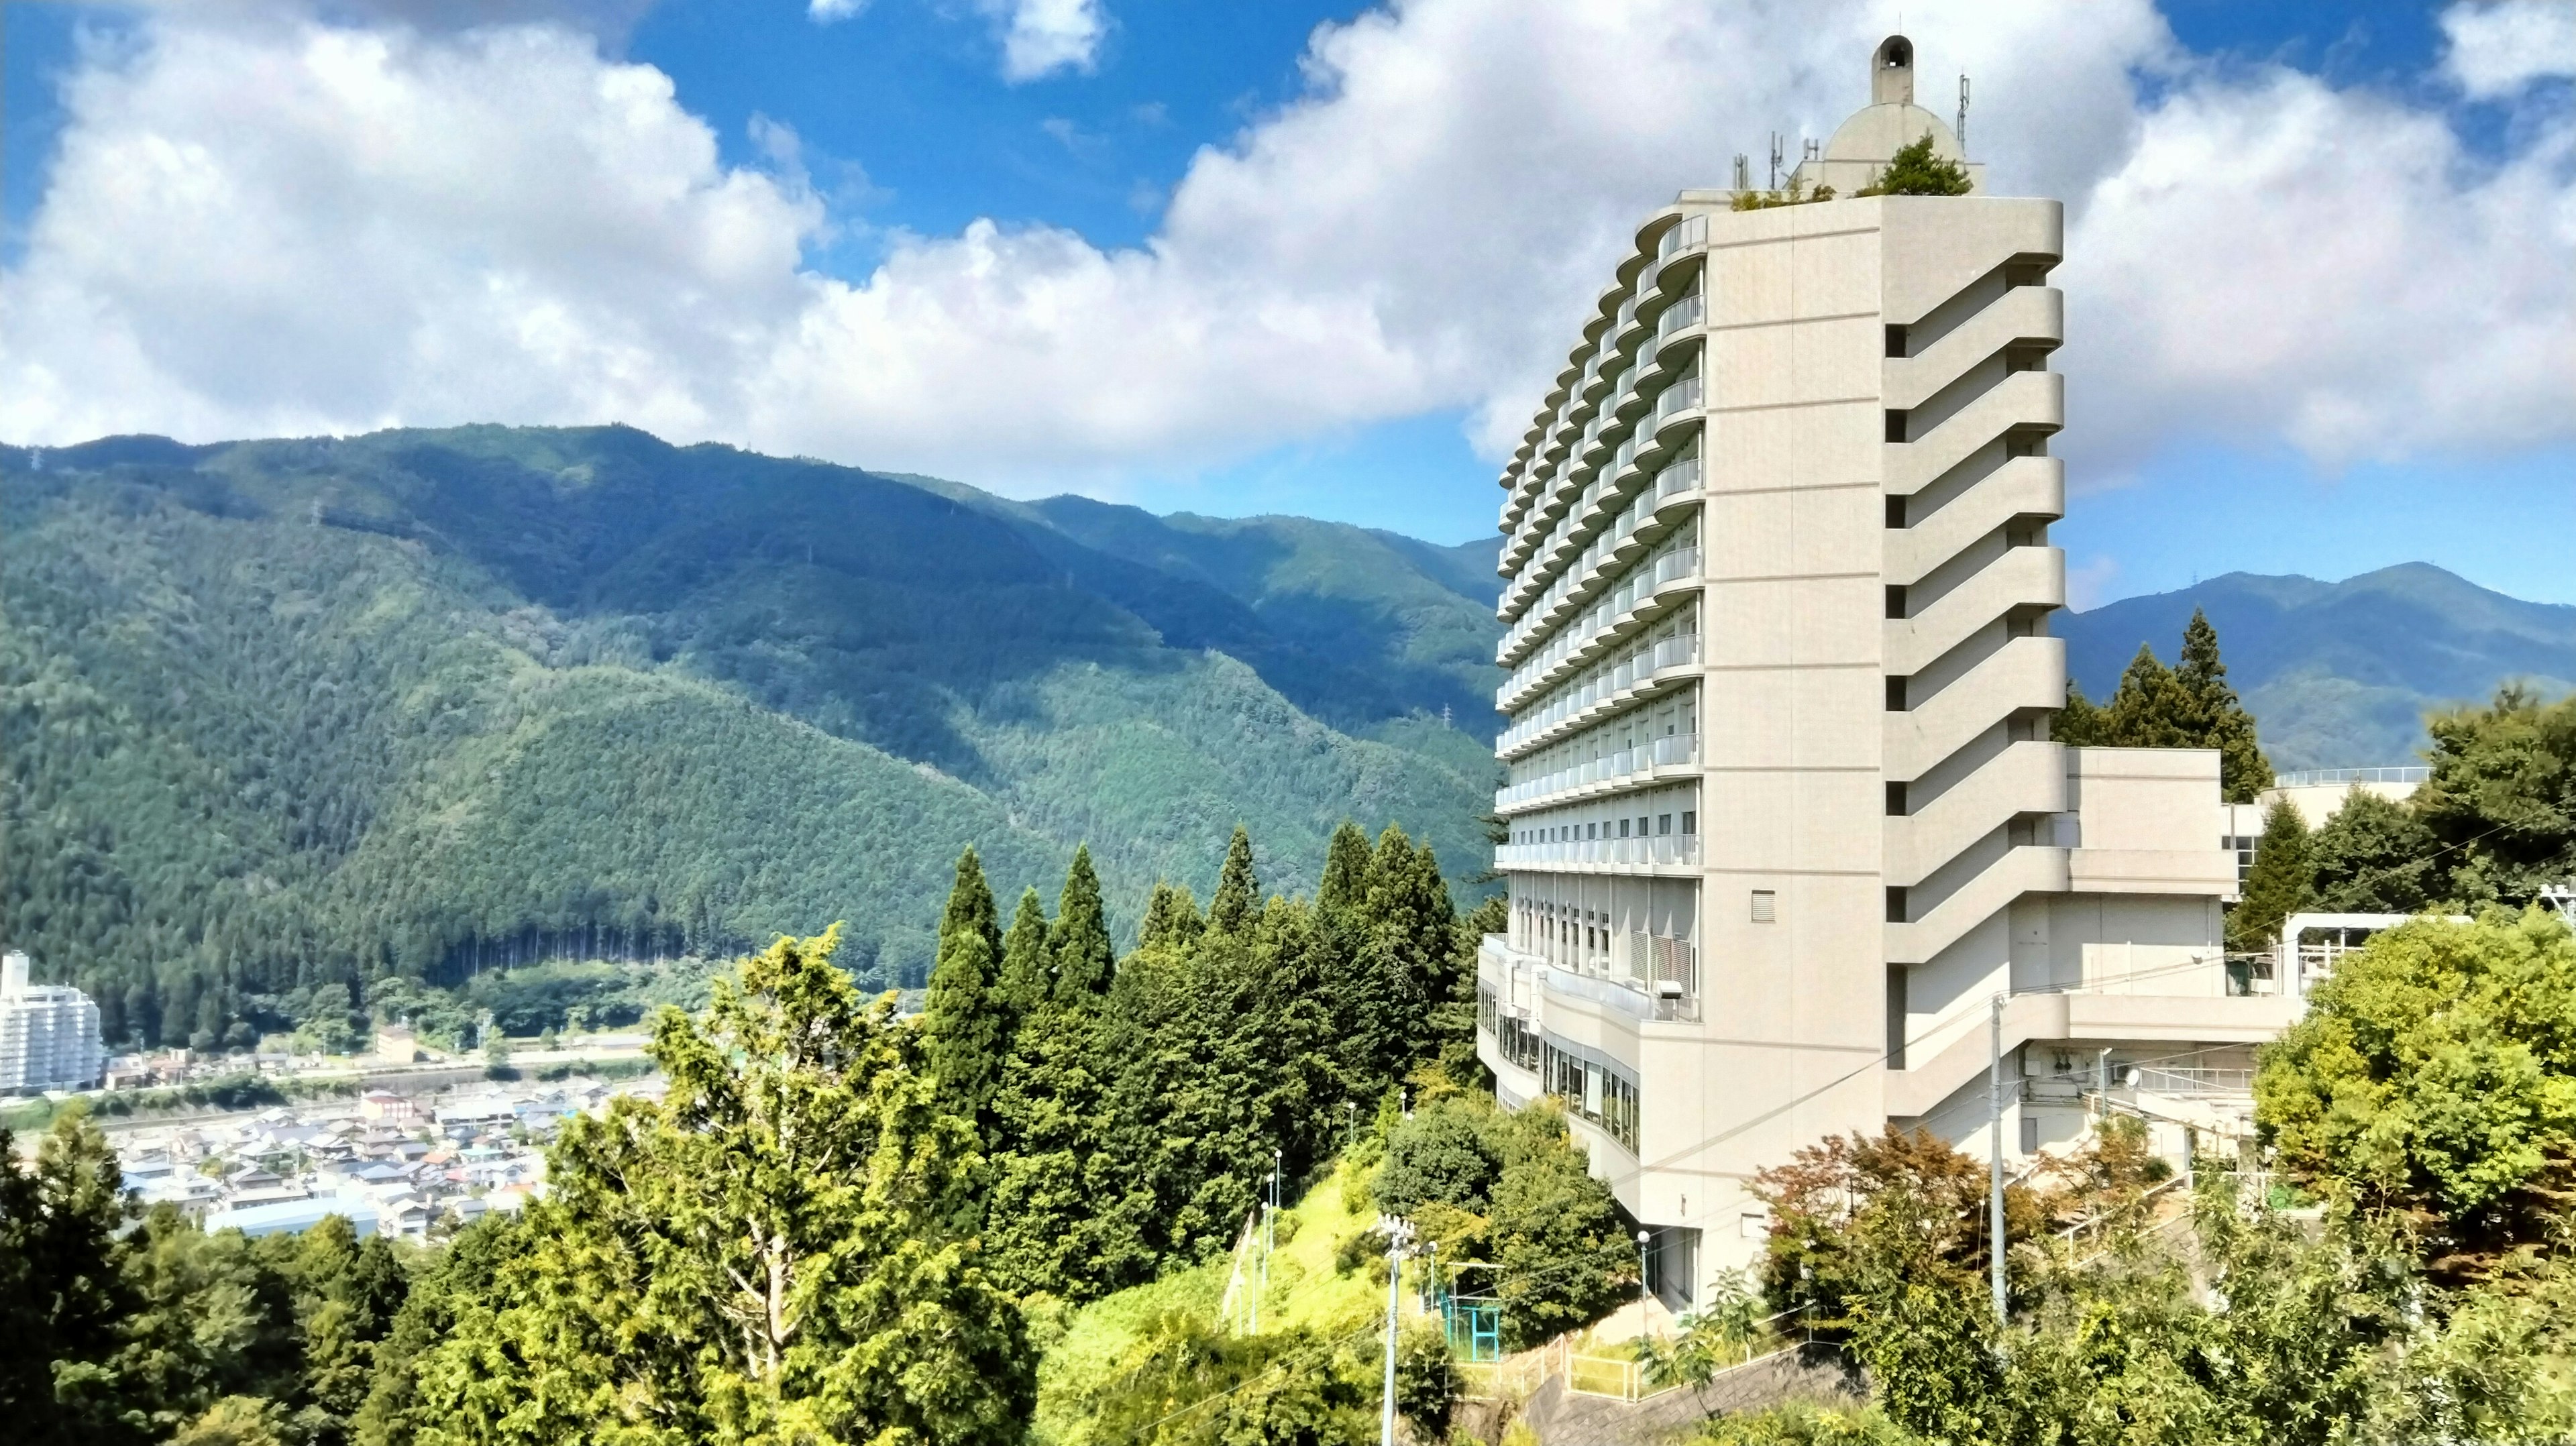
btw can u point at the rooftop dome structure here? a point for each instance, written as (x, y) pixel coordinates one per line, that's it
(1862, 146)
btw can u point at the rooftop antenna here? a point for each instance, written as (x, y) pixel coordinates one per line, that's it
(1775, 160)
(1963, 115)
(1743, 171)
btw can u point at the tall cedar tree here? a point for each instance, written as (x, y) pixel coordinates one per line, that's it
(2213, 714)
(2281, 883)
(1027, 972)
(1344, 886)
(2149, 709)
(1238, 892)
(780, 1249)
(1080, 944)
(61, 1296)
(962, 1036)
(1171, 918)
(2080, 724)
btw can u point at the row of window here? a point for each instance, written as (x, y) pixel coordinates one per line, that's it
(1592, 1085)
(1662, 823)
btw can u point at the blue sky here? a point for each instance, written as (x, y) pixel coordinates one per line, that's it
(907, 133)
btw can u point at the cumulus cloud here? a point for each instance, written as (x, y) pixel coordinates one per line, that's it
(2498, 48)
(305, 228)
(1041, 37)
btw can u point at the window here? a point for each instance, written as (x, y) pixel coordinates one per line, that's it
(1896, 906)
(1766, 906)
(1896, 695)
(1896, 800)
(1896, 602)
(1896, 512)
(1641, 825)
(1896, 341)
(2029, 1138)
(1896, 1016)
(1895, 425)
(1623, 828)
(1592, 830)
(1690, 821)
(1663, 823)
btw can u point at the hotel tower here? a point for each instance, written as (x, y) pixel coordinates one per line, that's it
(1784, 815)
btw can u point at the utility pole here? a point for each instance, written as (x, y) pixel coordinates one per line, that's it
(1269, 1241)
(1963, 115)
(1995, 1172)
(1394, 1271)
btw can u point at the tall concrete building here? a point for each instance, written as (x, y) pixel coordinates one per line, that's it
(48, 1033)
(1784, 815)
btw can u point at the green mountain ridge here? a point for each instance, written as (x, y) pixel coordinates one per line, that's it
(281, 713)
(2340, 674)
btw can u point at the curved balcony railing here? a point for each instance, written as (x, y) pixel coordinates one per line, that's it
(1690, 235)
(1677, 477)
(1673, 564)
(1645, 666)
(1668, 849)
(1637, 765)
(1688, 311)
(1680, 397)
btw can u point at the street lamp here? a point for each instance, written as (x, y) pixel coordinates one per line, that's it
(1643, 1236)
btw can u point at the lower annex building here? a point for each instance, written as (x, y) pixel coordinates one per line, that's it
(1783, 812)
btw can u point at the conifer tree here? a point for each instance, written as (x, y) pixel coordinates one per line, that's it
(1026, 974)
(2080, 724)
(2374, 856)
(1238, 893)
(1080, 944)
(1171, 918)
(2149, 710)
(2281, 883)
(2214, 717)
(962, 1037)
(1344, 885)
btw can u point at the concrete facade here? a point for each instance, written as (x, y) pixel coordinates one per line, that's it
(1783, 810)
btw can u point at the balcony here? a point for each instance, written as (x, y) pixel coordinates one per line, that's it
(1655, 760)
(1599, 629)
(1690, 235)
(1682, 396)
(1660, 851)
(1672, 659)
(1685, 313)
(1678, 479)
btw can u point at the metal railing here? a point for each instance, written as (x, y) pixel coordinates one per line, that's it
(1675, 848)
(1681, 396)
(1681, 475)
(1688, 235)
(1682, 313)
(1635, 764)
(2327, 777)
(1596, 686)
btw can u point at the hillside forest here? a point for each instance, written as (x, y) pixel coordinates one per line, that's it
(283, 720)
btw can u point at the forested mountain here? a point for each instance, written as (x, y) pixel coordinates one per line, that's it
(283, 712)
(2340, 674)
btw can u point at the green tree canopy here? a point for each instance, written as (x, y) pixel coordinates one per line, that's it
(1915, 171)
(2191, 705)
(1027, 972)
(1171, 918)
(2282, 881)
(1080, 943)
(2374, 856)
(776, 1251)
(2435, 1072)
(963, 1036)
(2502, 796)
(1238, 892)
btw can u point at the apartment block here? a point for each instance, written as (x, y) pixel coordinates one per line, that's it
(48, 1033)
(1784, 817)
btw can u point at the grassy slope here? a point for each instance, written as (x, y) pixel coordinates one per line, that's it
(1305, 1292)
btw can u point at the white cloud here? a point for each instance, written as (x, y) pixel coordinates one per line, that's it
(824, 12)
(1040, 37)
(260, 229)
(2498, 48)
